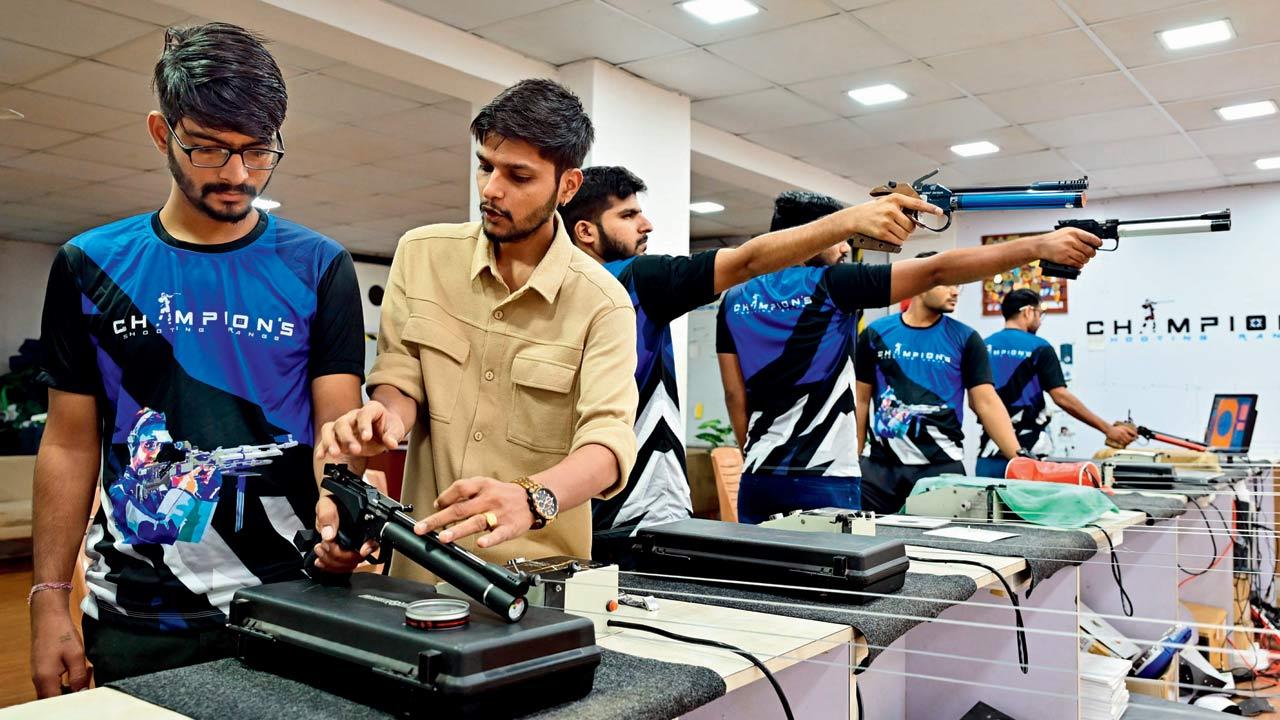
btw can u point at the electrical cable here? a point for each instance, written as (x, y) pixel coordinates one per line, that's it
(1213, 540)
(782, 696)
(1126, 604)
(1023, 658)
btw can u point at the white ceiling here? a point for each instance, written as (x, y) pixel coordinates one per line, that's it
(1065, 87)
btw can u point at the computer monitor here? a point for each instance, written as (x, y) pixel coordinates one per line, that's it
(1231, 423)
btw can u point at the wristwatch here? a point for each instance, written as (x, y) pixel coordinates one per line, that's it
(542, 503)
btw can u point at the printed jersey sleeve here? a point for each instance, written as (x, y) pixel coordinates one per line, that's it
(857, 286)
(337, 332)
(724, 338)
(67, 356)
(975, 365)
(669, 286)
(1049, 369)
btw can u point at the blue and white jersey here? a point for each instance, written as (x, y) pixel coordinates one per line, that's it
(1025, 368)
(793, 332)
(201, 360)
(919, 377)
(662, 288)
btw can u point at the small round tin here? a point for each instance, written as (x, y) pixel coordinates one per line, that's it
(437, 614)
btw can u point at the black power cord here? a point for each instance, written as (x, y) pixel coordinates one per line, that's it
(782, 696)
(1126, 604)
(1212, 558)
(1023, 657)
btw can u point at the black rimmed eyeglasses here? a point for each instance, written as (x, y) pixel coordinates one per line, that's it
(216, 157)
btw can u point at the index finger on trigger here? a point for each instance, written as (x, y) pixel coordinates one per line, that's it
(916, 203)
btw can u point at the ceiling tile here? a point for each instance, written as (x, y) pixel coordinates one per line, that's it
(156, 182)
(310, 162)
(451, 194)
(1256, 177)
(105, 199)
(1109, 91)
(474, 13)
(67, 27)
(759, 111)
(435, 165)
(304, 190)
(297, 124)
(810, 50)
(1096, 11)
(1262, 138)
(1020, 63)
(935, 27)
(456, 107)
(68, 114)
(80, 170)
(1242, 164)
(1145, 121)
(700, 184)
(138, 55)
(1200, 115)
(23, 134)
(876, 165)
(915, 78)
(146, 10)
(773, 14)
(424, 127)
(25, 183)
(1012, 169)
(1236, 71)
(354, 143)
(20, 63)
(703, 227)
(1134, 151)
(1135, 42)
(1176, 171)
(368, 179)
(286, 54)
(1010, 140)
(698, 74)
(815, 139)
(138, 156)
(100, 84)
(383, 83)
(7, 152)
(950, 118)
(332, 99)
(582, 29)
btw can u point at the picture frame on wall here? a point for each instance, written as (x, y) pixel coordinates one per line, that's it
(1052, 291)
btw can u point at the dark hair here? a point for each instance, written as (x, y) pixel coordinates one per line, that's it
(544, 114)
(927, 253)
(601, 185)
(793, 208)
(1013, 303)
(222, 77)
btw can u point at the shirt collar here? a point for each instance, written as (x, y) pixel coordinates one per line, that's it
(546, 278)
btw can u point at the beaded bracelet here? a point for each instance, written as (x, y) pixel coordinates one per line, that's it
(46, 586)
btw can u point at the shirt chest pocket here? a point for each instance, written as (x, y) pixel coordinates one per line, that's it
(443, 357)
(542, 402)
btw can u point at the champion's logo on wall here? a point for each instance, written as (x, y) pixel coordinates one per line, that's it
(1178, 328)
(171, 319)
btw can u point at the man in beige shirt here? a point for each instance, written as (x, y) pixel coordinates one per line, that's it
(505, 352)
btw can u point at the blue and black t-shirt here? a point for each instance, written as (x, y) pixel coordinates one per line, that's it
(201, 360)
(918, 379)
(662, 288)
(793, 332)
(1025, 369)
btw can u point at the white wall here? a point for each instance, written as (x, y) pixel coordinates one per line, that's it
(1168, 381)
(24, 271)
(368, 275)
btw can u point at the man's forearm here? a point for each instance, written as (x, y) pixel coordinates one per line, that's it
(65, 480)
(397, 402)
(780, 249)
(995, 420)
(582, 475)
(1076, 408)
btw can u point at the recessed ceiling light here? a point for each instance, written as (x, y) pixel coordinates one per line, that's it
(1247, 110)
(981, 147)
(705, 207)
(264, 204)
(878, 94)
(10, 114)
(1196, 35)
(1271, 163)
(719, 11)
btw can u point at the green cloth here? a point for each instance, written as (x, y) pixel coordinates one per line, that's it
(1043, 503)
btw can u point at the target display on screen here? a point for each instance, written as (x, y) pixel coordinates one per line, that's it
(1231, 422)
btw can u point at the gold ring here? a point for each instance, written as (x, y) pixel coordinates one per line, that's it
(491, 519)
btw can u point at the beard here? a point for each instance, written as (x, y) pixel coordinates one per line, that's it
(612, 250)
(527, 225)
(196, 196)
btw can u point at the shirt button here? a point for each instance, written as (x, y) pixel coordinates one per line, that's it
(478, 436)
(497, 314)
(488, 375)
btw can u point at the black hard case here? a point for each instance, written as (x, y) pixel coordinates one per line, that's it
(352, 640)
(712, 550)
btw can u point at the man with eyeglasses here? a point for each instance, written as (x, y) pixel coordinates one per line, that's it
(168, 336)
(913, 369)
(1026, 368)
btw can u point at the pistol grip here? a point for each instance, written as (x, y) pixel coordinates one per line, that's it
(1053, 269)
(863, 242)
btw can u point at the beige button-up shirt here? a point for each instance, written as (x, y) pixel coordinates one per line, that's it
(507, 383)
